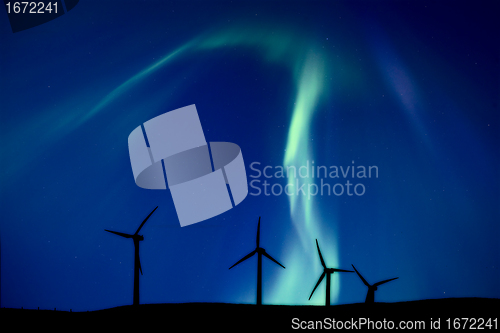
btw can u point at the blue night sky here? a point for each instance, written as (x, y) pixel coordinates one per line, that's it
(412, 88)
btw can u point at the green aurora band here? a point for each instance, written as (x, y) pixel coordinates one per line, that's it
(308, 65)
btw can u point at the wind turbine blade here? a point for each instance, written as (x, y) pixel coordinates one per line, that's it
(267, 255)
(362, 279)
(258, 232)
(244, 258)
(145, 220)
(320, 256)
(140, 267)
(317, 284)
(382, 282)
(342, 270)
(119, 233)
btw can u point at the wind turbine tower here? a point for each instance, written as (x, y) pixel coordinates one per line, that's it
(370, 296)
(328, 272)
(260, 251)
(137, 262)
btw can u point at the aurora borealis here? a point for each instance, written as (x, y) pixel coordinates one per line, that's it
(410, 88)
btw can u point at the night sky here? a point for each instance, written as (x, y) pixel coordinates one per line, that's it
(412, 88)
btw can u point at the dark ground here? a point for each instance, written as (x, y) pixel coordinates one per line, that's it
(481, 313)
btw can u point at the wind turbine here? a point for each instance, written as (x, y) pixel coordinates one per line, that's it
(137, 262)
(260, 251)
(370, 296)
(327, 272)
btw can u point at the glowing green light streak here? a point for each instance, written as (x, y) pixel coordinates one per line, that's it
(286, 49)
(309, 89)
(310, 86)
(134, 80)
(293, 51)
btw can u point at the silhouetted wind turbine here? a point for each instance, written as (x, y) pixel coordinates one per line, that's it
(327, 272)
(370, 296)
(137, 262)
(260, 251)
